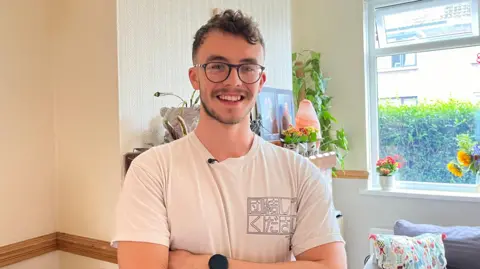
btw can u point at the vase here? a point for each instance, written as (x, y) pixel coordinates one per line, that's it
(387, 183)
(293, 147)
(306, 116)
(173, 129)
(312, 149)
(477, 181)
(302, 148)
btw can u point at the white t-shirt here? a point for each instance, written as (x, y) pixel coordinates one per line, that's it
(261, 207)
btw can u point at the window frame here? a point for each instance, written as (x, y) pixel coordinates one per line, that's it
(396, 7)
(371, 84)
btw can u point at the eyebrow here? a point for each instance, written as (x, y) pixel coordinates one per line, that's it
(216, 58)
(212, 58)
(249, 61)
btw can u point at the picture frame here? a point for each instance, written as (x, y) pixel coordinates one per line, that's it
(285, 109)
(275, 109)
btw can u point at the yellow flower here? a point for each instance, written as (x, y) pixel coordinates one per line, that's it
(464, 158)
(455, 169)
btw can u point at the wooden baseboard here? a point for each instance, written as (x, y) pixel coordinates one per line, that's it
(31, 248)
(87, 247)
(27, 249)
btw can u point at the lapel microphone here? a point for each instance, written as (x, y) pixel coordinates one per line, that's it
(212, 160)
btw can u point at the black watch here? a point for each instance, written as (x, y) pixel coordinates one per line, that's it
(218, 261)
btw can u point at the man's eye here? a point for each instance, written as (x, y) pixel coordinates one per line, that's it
(248, 68)
(216, 67)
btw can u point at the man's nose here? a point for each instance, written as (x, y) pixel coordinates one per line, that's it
(233, 79)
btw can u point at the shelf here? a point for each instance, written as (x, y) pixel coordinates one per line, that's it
(324, 160)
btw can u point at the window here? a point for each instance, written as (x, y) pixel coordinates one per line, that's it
(398, 61)
(419, 113)
(425, 21)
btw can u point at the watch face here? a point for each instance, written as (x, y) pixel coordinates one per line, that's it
(218, 261)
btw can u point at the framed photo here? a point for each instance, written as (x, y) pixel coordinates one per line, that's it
(285, 109)
(276, 111)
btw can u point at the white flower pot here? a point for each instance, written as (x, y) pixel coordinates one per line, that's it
(312, 149)
(387, 183)
(293, 147)
(302, 148)
(477, 181)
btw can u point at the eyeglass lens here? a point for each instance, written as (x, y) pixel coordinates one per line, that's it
(218, 72)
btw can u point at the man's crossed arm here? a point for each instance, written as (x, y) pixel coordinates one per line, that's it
(133, 255)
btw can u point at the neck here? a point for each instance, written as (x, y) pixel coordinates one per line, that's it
(224, 141)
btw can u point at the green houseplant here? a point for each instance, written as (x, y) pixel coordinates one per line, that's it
(310, 83)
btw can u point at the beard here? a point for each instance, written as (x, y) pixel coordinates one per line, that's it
(226, 119)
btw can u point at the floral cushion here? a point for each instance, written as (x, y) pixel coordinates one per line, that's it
(425, 251)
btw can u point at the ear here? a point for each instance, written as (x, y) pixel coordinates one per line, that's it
(262, 81)
(194, 79)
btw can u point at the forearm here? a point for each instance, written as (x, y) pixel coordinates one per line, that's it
(202, 263)
(235, 264)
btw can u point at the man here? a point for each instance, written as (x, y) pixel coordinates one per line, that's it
(222, 197)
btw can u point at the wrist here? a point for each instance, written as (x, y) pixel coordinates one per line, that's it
(201, 261)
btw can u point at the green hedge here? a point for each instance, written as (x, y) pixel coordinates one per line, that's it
(425, 136)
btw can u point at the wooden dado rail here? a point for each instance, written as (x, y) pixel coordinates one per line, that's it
(83, 246)
(101, 250)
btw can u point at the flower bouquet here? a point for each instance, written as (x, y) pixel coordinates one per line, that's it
(468, 158)
(387, 168)
(291, 138)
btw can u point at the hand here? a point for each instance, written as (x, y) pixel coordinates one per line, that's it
(182, 259)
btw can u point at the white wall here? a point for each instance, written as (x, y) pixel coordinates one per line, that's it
(27, 205)
(334, 28)
(155, 39)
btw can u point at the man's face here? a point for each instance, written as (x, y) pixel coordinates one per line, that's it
(229, 100)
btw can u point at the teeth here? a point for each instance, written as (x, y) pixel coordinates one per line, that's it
(230, 98)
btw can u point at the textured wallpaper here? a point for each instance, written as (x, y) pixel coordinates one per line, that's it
(154, 43)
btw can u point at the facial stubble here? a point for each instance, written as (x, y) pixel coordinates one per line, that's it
(212, 114)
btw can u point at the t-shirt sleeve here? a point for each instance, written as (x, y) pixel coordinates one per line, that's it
(316, 222)
(141, 214)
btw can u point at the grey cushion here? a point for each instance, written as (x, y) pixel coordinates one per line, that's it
(462, 244)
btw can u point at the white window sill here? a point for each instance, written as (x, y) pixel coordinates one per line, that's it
(425, 194)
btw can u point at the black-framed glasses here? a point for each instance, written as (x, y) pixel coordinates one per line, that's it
(218, 72)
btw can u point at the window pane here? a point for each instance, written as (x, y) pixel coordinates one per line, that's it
(426, 21)
(397, 61)
(422, 110)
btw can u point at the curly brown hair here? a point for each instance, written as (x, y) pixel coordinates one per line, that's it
(229, 21)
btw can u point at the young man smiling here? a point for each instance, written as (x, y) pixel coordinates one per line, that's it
(222, 197)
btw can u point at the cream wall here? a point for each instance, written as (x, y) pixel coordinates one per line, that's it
(86, 107)
(26, 117)
(335, 29)
(155, 39)
(84, 71)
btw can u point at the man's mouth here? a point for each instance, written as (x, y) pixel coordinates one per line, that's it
(230, 98)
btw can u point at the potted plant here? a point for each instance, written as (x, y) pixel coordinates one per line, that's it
(291, 138)
(312, 145)
(179, 121)
(310, 83)
(304, 134)
(387, 169)
(468, 159)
